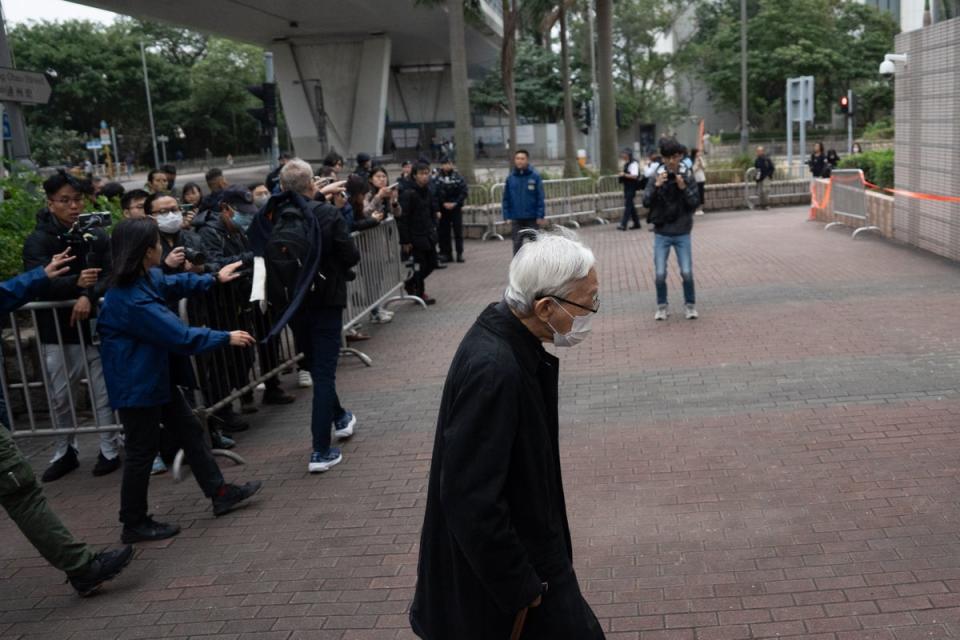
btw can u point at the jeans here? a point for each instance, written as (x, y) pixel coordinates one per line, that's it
(141, 426)
(683, 246)
(23, 499)
(518, 226)
(629, 208)
(65, 368)
(451, 221)
(319, 335)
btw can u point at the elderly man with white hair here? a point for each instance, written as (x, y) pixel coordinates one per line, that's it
(495, 553)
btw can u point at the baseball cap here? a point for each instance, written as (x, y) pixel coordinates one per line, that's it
(239, 198)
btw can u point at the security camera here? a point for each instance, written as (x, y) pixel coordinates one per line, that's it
(888, 67)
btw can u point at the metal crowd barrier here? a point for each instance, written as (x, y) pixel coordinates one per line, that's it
(848, 199)
(781, 187)
(380, 279)
(610, 196)
(27, 381)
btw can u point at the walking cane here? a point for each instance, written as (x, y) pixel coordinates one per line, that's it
(518, 623)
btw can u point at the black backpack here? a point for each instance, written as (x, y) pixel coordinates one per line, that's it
(286, 252)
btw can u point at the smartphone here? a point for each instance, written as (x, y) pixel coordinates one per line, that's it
(187, 207)
(394, 186)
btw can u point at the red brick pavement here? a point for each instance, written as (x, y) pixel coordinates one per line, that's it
(783, 467)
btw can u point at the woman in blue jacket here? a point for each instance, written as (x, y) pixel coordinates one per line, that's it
(139, 334)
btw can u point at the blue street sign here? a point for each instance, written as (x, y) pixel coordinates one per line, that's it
(94, 144)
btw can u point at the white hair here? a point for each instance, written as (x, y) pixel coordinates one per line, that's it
(297, 176)
(548, 264)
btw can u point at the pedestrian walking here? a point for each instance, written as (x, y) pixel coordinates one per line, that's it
(817, 161)
(523, 199)
(764, 168)
(417, 228)
(495, 552)
(630, 179)
(672, 199)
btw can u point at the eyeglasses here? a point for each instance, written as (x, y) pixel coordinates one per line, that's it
(68, 201)
(161, 212)
(595, 309)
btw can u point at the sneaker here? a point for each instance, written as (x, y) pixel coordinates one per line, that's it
(233, 496)
(276, 395)
(229, 421)
(158, 466)
(106, 465)
(344, 425)
(382, 316)
(320, 462)
(263, 387)
(699, 212)
(691, 312)
(220, 441)
(248, 403)
(620, 227)
(304, 380)
(106, 565)
(661, 313)
(61, 466)
(148, 531)
(460, 259)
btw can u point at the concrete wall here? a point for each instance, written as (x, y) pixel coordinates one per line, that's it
(928, 137)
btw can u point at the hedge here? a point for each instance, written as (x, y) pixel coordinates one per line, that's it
(877, 166)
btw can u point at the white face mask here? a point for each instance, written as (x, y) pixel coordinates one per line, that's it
(259, 201)
(170, 222)
(578, 331)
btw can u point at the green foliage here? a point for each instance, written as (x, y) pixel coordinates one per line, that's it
(22, 198)
(539, 89)
(836, 41)
(880, 130)
(877, 166)
(197, 83)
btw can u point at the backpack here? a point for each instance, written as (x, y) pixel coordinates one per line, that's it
(286, 252)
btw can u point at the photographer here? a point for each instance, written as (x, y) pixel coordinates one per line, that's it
(59, 227)
(140, 334)
(672, 198)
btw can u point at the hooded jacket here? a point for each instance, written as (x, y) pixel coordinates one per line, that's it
(222, 246)
(41, 245)
(495, 527)
(523, 195)
(139, 334)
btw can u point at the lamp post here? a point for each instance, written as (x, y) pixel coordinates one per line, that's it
(744, 126)
(146, 84)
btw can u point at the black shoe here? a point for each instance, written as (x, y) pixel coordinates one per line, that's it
(441, 265)
(460, 259)
(148, 530)
(428, 300)
(106, 565)
(444, 258)
(233, 496)
(105, 466)
(276, 395)
(636, 226)
(61, 466)
(620, 227)
(230, 422)
(220, 441)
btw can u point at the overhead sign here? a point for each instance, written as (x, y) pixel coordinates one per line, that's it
(23, 86)
(94, 144)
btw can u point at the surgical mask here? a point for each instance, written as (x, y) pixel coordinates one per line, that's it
(259, 201)
(578, 331)
(170, 222)
(242, 220)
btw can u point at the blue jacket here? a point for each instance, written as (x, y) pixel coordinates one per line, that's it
(21, 289)
(523, 195)
(139, 332)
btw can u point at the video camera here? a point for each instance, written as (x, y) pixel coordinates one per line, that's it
(79, 236)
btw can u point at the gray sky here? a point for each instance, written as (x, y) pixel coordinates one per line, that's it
(23, 10)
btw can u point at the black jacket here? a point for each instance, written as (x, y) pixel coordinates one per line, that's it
(338, 254)
(495, 526)
(41, 245)
(764, 167)
(222, 247)
(818, 165)
(671, 210)
(188, 239)
(417, 225)
(449, 188)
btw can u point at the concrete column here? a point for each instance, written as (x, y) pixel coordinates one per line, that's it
(370, 103)
(298, 107)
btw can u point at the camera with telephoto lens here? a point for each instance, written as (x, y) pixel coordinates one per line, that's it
(194, 257)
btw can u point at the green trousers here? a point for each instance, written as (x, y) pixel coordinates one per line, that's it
(23, 499)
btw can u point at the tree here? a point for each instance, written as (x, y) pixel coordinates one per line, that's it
(508, 51)
(463, 132)
(607, 98)
(538, 89)
(570, 167)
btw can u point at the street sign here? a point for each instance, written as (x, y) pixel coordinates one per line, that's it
(105, 137)
(94, 144)
(23, 86)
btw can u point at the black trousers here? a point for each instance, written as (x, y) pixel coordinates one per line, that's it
(563, 614)
(451, 220)
(424, 262)
(518, 226)
(141, 427)
(269, 352)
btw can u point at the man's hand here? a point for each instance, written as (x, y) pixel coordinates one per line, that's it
(681, 183)
(176, 258)
(439, 215)
(449, 206)
(661, 180)
(229, 272)
(241, 339)
(188, 219)
(81, 310)
(377, 215)
(59, 264)
(88, 278)
(333, 187)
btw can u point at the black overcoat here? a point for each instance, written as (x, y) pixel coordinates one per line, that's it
(495, 527)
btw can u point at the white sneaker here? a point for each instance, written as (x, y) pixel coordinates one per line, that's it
(345, 426)
(261, 387)
(699, 212)
(382, 317)
(304, 380)
(661, 313)
(691, 312)
(321, 462)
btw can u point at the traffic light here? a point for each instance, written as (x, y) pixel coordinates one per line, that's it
(267, 114)
(845, 105)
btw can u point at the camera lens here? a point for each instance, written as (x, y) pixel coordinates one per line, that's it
(194, 256)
